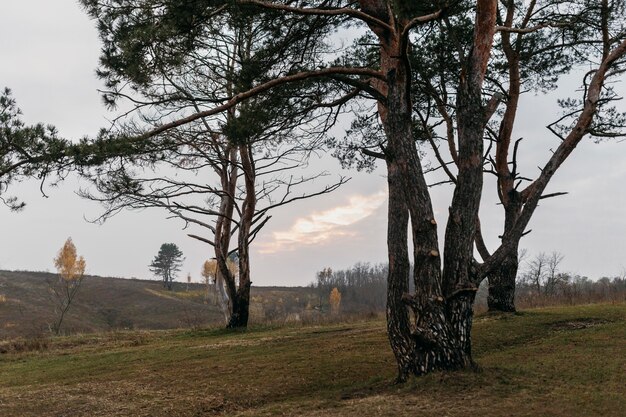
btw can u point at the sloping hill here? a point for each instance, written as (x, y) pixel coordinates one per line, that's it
(564, 362)
(101, 304)
(115, 303)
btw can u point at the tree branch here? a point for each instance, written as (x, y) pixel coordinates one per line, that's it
(260, 89)
(345, 11)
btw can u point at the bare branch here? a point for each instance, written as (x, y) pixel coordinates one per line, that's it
(419, 20)
(200, 238)
(480, 242)
(530, 29)
(342, 11)
(553, 195)
(373, 154)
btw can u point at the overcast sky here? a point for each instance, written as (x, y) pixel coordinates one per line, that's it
(49, 51)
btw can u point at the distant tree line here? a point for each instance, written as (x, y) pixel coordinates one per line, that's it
(573, 289)
(363, 287)
(541, 282)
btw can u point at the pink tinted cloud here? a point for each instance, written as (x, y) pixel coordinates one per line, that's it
(324, 226)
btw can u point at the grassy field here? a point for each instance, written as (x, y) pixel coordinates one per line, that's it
(549, 362)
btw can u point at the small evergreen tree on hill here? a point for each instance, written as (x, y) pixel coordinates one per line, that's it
(167, 263)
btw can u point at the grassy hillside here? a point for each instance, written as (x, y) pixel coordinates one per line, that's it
(101, 304)
(549, 362)
(106, 304)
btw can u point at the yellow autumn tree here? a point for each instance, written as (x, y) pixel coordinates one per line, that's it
(64, 287)
(209, 269)
(335, 300)
(233, 267)
(69, 266)
(208, 272)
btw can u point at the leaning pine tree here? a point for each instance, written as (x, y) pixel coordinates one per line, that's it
(553, 35)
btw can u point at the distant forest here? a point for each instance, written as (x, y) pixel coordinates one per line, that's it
(539, 283)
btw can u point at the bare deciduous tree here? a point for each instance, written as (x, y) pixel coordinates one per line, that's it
(543, 274)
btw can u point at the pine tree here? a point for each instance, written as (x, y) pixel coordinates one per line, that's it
(167, 263)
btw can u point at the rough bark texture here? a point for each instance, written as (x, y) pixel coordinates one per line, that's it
(240, 308)
(420, 332)
(459, 275)
(398, 322)
(501, 296)
(223, 226)
(241, 298)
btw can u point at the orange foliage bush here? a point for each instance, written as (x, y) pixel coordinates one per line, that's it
(335, 300)
(68, 264)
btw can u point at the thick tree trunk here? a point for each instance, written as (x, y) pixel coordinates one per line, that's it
(421, 338)
(460, 313)
(502, 285)
(460, 279)
(223, 226)
(398, 321)
(424, 341)
(501, 296)
(241, 298)
(437, 334)
(240, 308)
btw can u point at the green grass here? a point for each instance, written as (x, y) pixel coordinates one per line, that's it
(549, 362)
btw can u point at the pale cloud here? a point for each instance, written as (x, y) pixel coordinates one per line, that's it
(324, 226)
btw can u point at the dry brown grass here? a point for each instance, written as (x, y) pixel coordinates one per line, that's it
(533, 364)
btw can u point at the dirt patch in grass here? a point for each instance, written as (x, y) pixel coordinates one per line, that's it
(344, 330)
(578, 324)
(229, 343)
